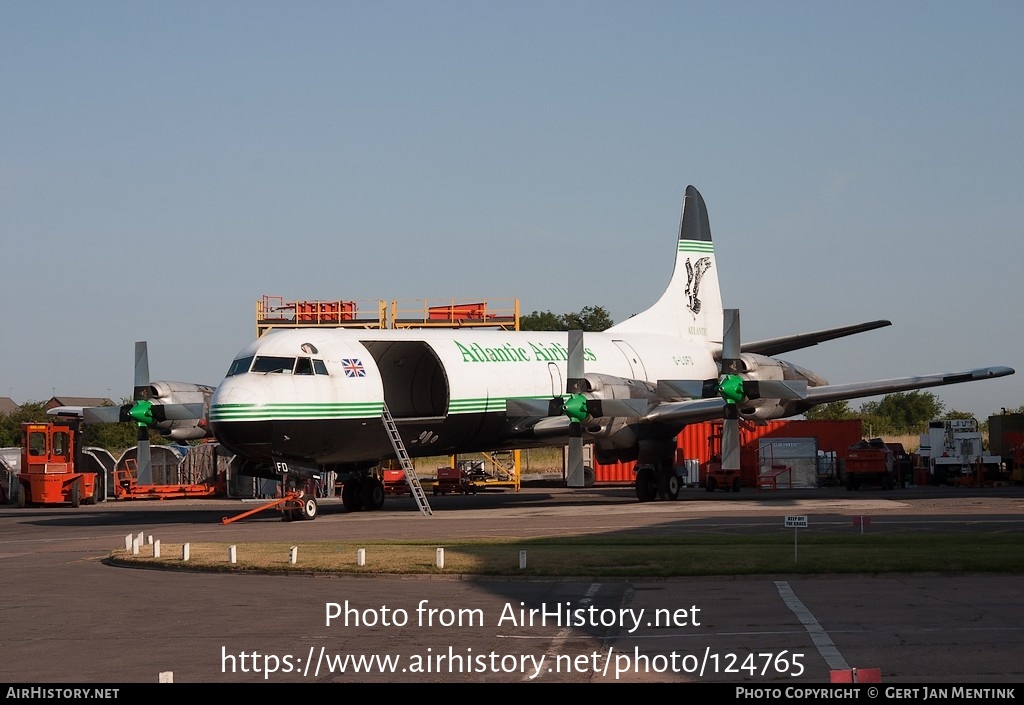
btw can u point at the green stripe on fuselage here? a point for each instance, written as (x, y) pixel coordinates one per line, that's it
(266, 412)
(352, 410)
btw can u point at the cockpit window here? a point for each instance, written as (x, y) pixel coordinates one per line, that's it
(240, 366)
(303, 366)
(268, 363)
(319, 367)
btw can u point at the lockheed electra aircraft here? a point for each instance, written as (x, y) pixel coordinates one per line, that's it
(311, 399)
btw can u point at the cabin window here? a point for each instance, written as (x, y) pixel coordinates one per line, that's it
(303, 366)
(319, 367)
(240, 366)
(269, 363)
(37, 443)
(60, 443)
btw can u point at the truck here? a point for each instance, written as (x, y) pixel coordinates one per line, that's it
(874, 462)
(50, 456)
(953, 452)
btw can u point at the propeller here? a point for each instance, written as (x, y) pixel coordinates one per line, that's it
(734, 388)
(576, 406)
(143, 412)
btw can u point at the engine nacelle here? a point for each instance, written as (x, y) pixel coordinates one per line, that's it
(164, 392)
(761, 367)
(610, 387)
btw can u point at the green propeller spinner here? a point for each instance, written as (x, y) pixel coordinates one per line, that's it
(731, 389)
(142, 412)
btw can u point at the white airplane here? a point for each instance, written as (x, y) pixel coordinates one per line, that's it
(305, 400)
(177, 410)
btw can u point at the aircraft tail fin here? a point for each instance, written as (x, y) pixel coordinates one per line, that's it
(691, 306)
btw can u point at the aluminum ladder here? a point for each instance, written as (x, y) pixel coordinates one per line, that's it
(403, 457)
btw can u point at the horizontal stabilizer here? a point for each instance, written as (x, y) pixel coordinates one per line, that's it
(66, 411)
(776, 346)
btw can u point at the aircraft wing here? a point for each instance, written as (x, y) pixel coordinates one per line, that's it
(854, 390)
(697, 410)
(776, 346)
(707, 409)
(689, 411)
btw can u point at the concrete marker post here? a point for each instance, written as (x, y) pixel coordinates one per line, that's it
(439, 559)
(361, 557)
(232, 554)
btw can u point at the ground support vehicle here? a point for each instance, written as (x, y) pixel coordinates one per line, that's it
(126, 486)
(871, 462)
(718, 478)
(453, 480)
(953, 450)
(395, 482)
(1013, 460)
(50, 454)
(294, 505)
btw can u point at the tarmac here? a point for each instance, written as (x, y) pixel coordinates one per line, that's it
(70, 617)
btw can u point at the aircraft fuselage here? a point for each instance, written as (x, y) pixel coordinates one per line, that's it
(317, 395)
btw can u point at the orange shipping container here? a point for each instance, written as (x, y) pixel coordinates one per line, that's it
(692, 443)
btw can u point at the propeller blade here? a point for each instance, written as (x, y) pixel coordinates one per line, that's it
(731, 438)
(731, 342)
(687, 388)
(574, 466)
(517, 408)
(574, 383)
(603, 408)
(143, 458)
(776, 389)
(141, 371)
(101, 414)
(177, 412)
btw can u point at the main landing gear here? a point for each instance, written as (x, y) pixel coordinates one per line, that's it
(652, 483)
(363, 492)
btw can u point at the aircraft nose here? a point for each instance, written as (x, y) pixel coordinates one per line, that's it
(234, 400)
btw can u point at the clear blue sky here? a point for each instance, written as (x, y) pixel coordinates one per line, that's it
(164, 165)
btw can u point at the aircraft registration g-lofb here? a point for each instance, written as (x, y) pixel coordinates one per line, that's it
(312, 399)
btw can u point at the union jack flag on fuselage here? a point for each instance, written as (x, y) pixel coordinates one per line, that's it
(353, 367)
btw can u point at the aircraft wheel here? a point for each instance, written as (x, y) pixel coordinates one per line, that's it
(646, 484)
(672, 487)
(75, 494)
(308, 509)
(351, 498)
(589, 477)
(372, 494)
